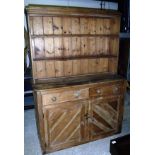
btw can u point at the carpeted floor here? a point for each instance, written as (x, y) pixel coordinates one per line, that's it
(99, 147)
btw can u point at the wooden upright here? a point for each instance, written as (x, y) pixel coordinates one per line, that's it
(78, 94)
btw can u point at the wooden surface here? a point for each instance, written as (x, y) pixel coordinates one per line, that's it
(72, 41)
(74, 54)
(73, 81)
(71, 115)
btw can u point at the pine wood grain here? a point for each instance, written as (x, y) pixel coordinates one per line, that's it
(37, 25)
(66, 25)
(57, 25)
(50, 69)
(49, 47)
(58, 47)
(59, 68)
(91, 25)
(76, 67)
(68, 68)
(39, 47)
(74, 55)
(75, 23)
(40, 69)
(48, 25)
(84, 26)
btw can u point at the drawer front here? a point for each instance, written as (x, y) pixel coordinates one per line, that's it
(64, 96)
(106, 90)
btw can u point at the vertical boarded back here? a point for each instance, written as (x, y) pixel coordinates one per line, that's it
(112, 64)
(114, 46)
(76, 51)
(48, 25)
(99, 26)
(57, 25)
(59, 71)
(75, 25)
(50, 69)
(39, 48)
(40, 69)
(99, 45)
(115, 25)
(68, 68)
(73, 43)
(106, 26)
(84, 26)
(49, 47)
(91, 26)
(105, 45)
(37, 25)
(67, 42)
(58, 47)
(84, 52)
(49, 53)
(66, 25)
(102, 65)
(92, 51)
(76, 67)
(67, 46)
(93, 63)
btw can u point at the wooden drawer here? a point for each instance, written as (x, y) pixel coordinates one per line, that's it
(106, 90)
(64, 96)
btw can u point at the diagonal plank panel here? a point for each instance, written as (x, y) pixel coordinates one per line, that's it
(100, 125)
(67, 125)
(105, 115)
(59, 120)
(100, 119)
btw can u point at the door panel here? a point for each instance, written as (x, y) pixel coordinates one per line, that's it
(64, 124)
(103, 116)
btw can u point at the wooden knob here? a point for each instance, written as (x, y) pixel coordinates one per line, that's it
(115, 89)
(54, 99)
(77, 94)
(98, 91)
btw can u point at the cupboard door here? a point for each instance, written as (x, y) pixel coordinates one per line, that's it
(64, 124)
(104, 116)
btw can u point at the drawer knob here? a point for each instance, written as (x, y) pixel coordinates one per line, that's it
(77, 94)
(115, 89)
(54, 99)
(98, 91)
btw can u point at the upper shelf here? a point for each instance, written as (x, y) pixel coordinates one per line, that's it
(75, 57)
(75, 35)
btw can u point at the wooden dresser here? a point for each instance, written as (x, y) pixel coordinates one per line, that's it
(78, 94)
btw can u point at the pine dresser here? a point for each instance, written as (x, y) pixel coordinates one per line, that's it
(78, 95)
